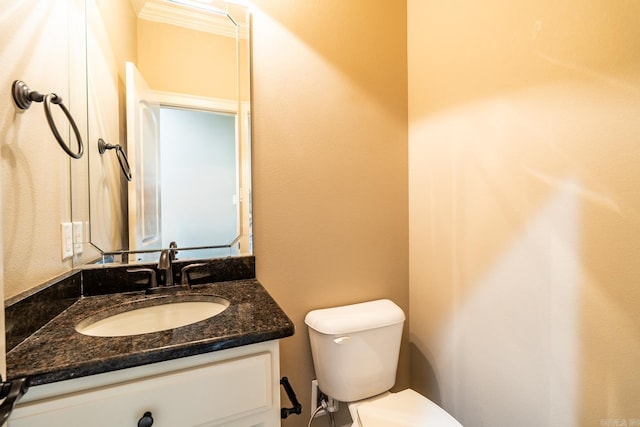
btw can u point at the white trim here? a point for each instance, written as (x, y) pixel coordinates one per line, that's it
(194, 101)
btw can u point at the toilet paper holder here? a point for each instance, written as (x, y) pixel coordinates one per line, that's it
(297, 407)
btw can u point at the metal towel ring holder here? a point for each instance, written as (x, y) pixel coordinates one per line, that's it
(23, 97)
(120, 154)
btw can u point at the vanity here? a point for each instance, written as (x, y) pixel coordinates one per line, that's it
(235, 387)
(223, 370)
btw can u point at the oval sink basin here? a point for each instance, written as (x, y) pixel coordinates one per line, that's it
(142, 318)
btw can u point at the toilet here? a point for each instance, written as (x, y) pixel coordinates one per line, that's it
(355, 352)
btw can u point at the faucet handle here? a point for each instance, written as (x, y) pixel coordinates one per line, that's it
(184, 273)
(153, 283)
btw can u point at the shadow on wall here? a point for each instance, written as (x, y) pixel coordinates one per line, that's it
(423, 376)
(370, 56)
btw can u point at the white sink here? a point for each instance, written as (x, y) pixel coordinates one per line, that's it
(164, 314)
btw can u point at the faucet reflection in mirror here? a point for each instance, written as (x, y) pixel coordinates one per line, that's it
(196, 67)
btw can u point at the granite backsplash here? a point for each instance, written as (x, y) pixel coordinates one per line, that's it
(27, 313)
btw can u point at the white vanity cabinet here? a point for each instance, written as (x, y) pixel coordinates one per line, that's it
(237, 387)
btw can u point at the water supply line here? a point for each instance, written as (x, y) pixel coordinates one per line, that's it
(329, 405)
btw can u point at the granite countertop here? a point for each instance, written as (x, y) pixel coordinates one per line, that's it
(56, 352)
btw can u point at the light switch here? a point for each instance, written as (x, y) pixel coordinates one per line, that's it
(77, 238)
(66, 235)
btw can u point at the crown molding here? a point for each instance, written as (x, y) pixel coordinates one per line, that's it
(184, 16)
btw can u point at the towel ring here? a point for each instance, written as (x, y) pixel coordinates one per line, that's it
(23, 97)
(120, 154)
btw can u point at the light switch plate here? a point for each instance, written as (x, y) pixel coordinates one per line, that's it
(66, 236)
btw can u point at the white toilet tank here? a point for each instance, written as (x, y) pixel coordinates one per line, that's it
(355, 348)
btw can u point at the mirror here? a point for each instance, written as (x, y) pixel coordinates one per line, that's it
(167, 84)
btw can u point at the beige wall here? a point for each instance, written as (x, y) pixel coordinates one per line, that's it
(524, 210)
(35, 170)
(329, 162)
(166, 51)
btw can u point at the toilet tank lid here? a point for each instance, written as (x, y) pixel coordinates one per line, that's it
(355, 317)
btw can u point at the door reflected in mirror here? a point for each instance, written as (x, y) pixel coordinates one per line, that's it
(191, 181)
(205, 141)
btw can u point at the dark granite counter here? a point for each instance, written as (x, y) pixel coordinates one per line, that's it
(56, 352)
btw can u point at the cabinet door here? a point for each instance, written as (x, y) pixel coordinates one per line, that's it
(215, 394)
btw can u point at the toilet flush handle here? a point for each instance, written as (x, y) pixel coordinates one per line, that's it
(342, 340)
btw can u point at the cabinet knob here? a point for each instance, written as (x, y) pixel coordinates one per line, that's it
(146, 420)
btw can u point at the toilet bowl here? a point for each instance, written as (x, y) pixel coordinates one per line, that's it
(355, 351)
